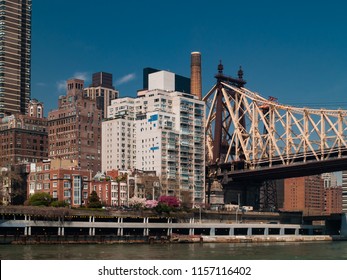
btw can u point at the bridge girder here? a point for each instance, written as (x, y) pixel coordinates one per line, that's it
(242, 125)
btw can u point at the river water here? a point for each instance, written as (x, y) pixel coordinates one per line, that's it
(327, 250)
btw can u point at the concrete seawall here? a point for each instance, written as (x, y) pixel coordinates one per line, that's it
(27, 240)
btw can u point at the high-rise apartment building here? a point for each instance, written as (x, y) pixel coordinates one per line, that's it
(169, 135)
(15, 56)
(102, 91)
(344, 191)
(118, 136)
(75, 128)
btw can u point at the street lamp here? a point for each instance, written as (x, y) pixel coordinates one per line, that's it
(238, 206)
(200, 213)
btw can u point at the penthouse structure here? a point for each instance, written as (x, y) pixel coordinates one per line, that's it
(75, 128)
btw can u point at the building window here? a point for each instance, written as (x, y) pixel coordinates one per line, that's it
(55, 194)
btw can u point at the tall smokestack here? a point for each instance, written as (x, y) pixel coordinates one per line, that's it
(195, 74)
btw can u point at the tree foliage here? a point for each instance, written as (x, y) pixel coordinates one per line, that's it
(94, 200)
(40, 199)
(151, 204)
(166, 204)
(170, 201)
(137, 203)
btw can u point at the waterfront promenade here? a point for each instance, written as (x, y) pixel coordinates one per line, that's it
(50, 225)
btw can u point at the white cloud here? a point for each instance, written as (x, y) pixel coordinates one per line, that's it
(125, 79)
(81, 75)
(61, 86)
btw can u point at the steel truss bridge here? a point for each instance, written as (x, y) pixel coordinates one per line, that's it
(252, 138)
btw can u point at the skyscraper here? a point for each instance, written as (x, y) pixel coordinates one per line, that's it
(102, 91)
(15, 56)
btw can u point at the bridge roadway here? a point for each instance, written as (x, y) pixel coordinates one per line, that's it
(226, 174)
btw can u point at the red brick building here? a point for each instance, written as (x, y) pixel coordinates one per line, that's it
(75, 128)
(24, 138)
(304, 194)
(333, 200)
(112, 188)
(62, 179)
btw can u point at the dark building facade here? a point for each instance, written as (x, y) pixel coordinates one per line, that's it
(102, 91)
(15, 56)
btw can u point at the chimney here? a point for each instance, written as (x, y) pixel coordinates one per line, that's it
(195, 74)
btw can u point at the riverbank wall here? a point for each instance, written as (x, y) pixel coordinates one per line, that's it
(53, 240)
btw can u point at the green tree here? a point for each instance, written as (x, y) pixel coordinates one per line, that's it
(94, 200)
(40, 199)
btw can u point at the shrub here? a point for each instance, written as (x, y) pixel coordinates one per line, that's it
(170, 201)
(59, 203)
(40, 199)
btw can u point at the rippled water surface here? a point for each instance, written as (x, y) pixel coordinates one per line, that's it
(336, 250)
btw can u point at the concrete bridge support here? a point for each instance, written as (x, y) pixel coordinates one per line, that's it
(343, 231)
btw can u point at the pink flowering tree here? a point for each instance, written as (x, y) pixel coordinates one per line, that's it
(170, 201)
(151, 204)
(167, 204)
(137, 203)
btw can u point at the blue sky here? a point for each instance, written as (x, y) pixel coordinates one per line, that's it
(293, 50)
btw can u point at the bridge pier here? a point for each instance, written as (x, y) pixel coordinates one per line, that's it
(343, 231)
